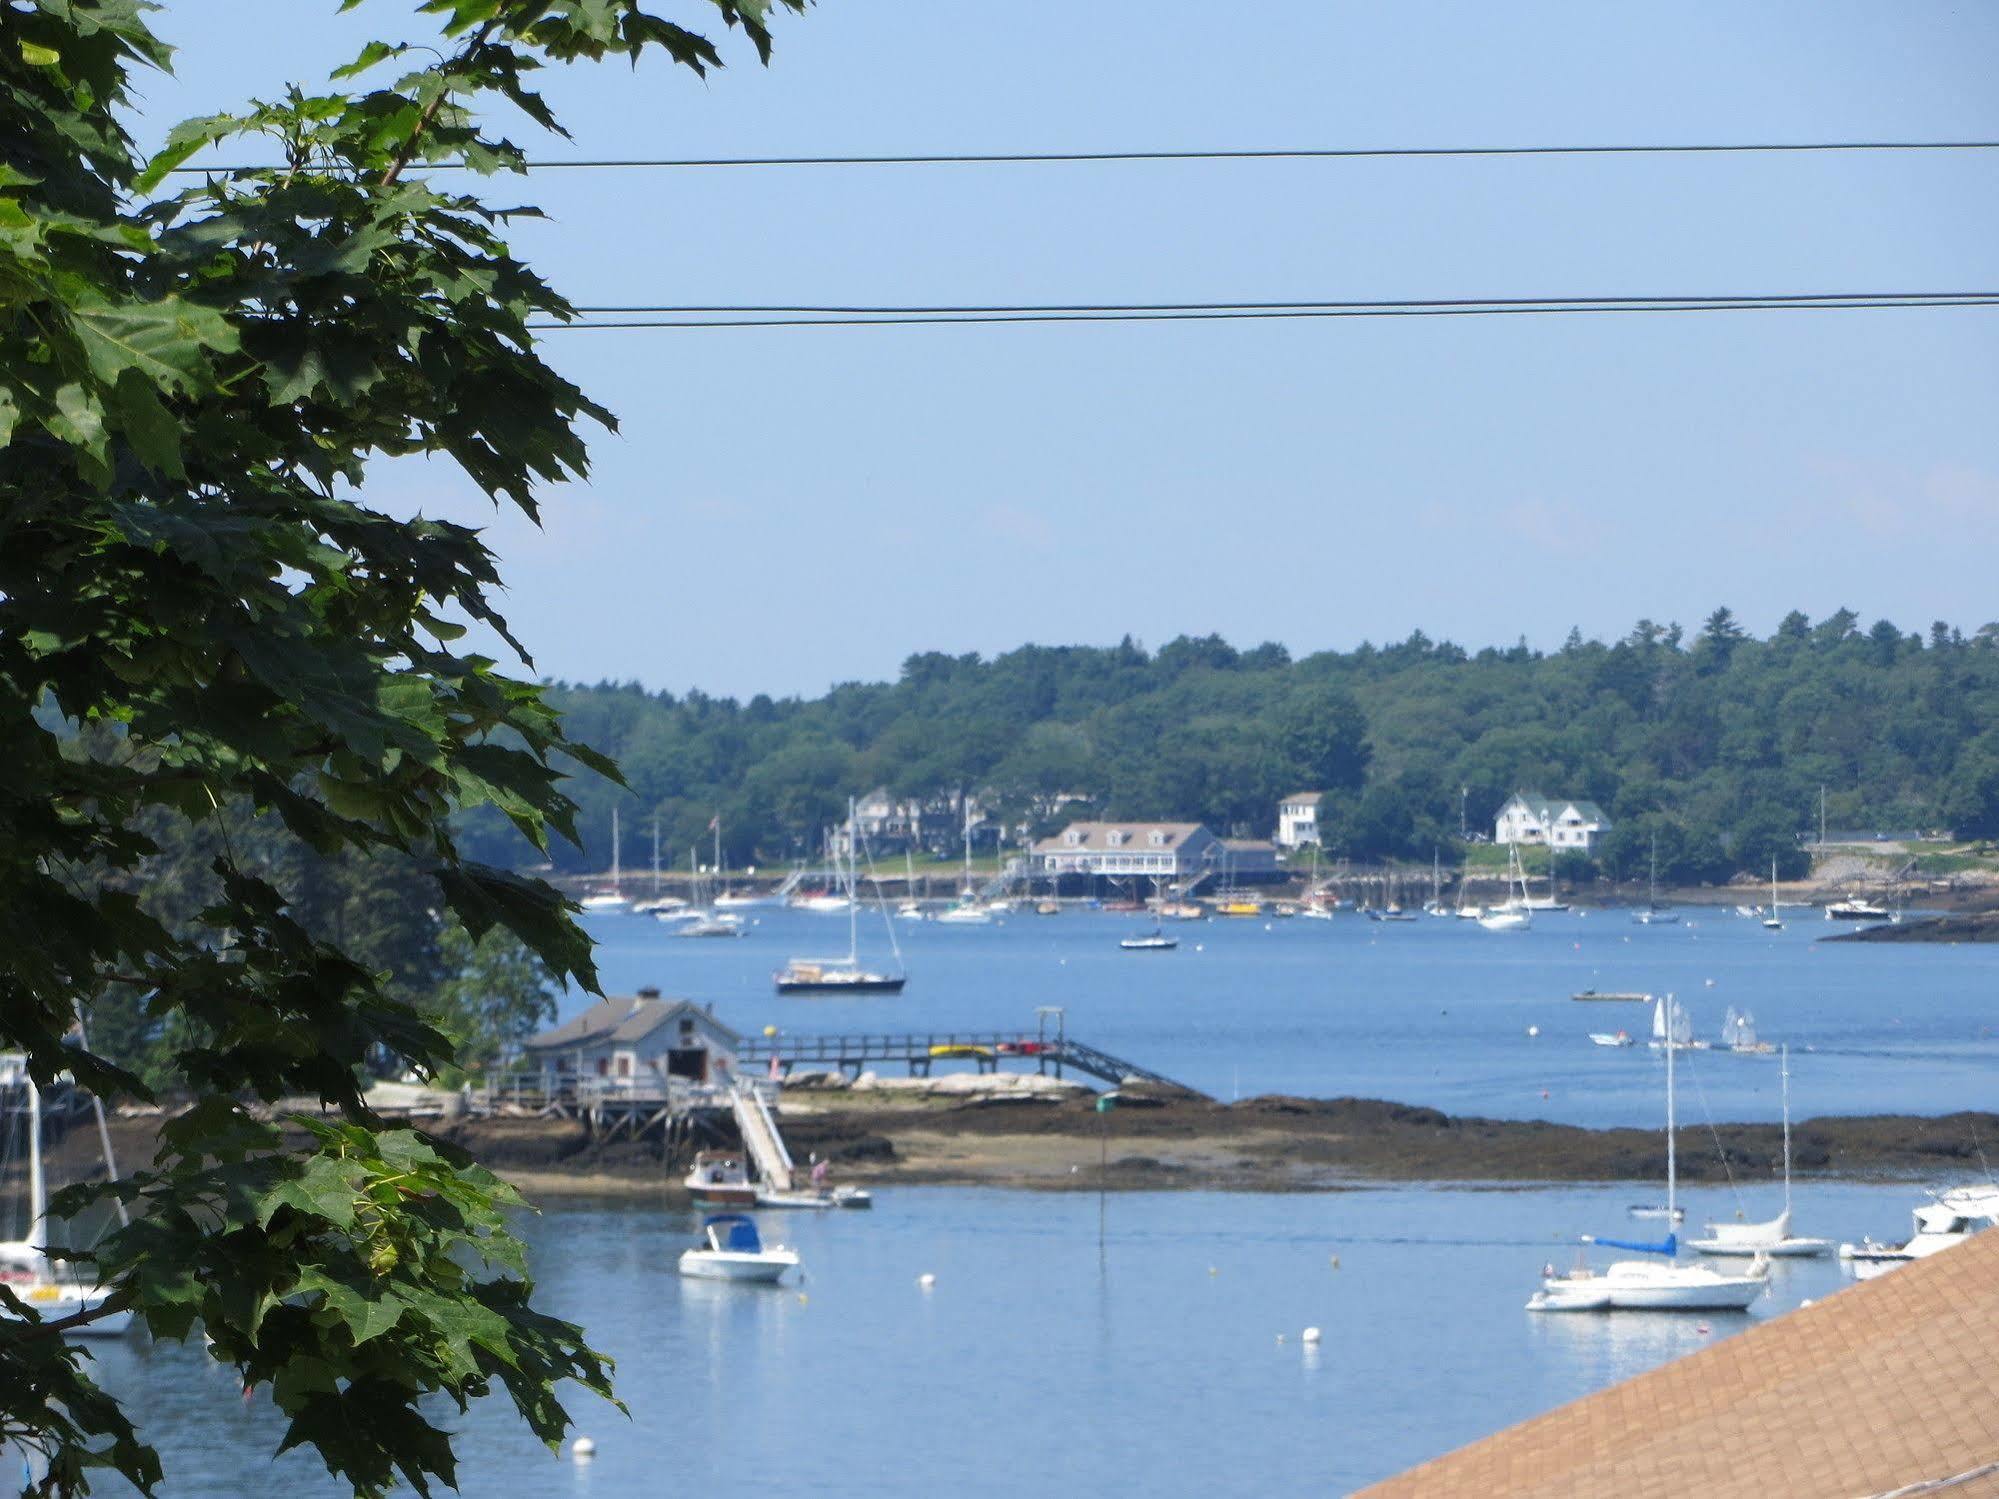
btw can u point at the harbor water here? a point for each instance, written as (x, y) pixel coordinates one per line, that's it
(1432, 1011)
(1170, 1362)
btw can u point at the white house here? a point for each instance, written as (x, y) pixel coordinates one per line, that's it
(639, 1041)
(1298, 819)
(1529, 817)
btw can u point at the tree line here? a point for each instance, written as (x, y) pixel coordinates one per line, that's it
(1715, 745)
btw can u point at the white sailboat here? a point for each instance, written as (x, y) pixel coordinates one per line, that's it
(1773, 1236)
(1654, 1285)
(25, 1267)
(968, 911)
(612, 900)
(1672, 1024)
(1774, 921)
(1513, 915)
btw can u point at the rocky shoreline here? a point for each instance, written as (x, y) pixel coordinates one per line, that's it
(1057, 1141)
(1978, 926)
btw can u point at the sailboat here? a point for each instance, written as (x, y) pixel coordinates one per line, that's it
(968, 911)
(1773, 922)
(1673, 1027)
(1653, 914)
(1513, 915)
(25, 1267)
(845, 975)
(1662, 1284)
(614, 898)
(1772, 1237)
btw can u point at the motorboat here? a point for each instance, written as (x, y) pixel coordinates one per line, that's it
(1661, 1284)
(1048, 908)
(603, 902)
(1611, 996)
(818, 1199)
(743, 900)
(719, 1178)
(1857, 908)
(732, 1249)
(1954, 1217)
(1316, 913)
(821, 902)
(911, 910)
(965, 913)
(659, 907)
(1504, 919)
(1772, 1236)
(1152, 941)
(45, 1285)
(1611, 1038)
(712, 924)
(1186, 910)
(1237, 906)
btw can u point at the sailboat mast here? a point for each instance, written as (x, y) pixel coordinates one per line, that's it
(655, 853)
(853, 888)
(615, 875)
(716, 824)
(1787, 1126)
(38, 1194)
(1672, 1123)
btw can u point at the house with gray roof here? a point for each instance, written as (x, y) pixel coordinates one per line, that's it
(1531, 818)
(1162, 851)
(637, 1042)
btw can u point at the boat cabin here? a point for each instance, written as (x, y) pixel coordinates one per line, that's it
(635, 1042)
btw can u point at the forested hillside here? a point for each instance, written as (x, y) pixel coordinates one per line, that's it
(1718, 743)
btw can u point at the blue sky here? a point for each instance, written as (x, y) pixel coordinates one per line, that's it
(787, 509)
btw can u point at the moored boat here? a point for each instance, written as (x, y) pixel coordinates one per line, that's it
(732, 1249)
(718, 1178)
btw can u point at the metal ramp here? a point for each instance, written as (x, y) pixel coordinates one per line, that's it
(1115, 1070)
(791, 881)
(761, 1138)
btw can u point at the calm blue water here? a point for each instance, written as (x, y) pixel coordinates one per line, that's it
(1432, 1012)
(1035, 1363)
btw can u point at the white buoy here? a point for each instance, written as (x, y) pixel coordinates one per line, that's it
(1335, 1260)
(582, 1450)
(1309, 1335)
(926, 1280)
(1213, 1271)
(1710, 983)
(1533, 1030)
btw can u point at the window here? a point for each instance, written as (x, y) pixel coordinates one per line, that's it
(1157, 838)
(1115, 838)
(1073, 839)
(686, 1025)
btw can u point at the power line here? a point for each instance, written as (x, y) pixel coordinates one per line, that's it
(1275, 153)
(1298, 303)
(853, 317)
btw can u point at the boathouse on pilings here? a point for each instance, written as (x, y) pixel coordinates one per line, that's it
(637, 1046)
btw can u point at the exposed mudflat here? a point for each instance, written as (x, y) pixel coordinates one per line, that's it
(1259, 1144)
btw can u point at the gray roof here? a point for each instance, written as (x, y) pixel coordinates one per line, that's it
(1310, 798)
(1546, 808)
(622, 1019)
(1138, 836)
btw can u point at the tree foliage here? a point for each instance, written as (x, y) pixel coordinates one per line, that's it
(1725, 738)
(202, 618)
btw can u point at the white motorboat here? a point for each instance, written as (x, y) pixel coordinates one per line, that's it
(1152, 941)
(1506, 920)
(660, 907)
(1611, 1038)
(732, 1249)
(743, 900)
(1954, 1217)
(26, 1270)
(911, 910)
(1772, 1236)
(821, 903)
(1857, 908)
(1652, 1285)
(712, 924)
(718, 1178)
(965, 913)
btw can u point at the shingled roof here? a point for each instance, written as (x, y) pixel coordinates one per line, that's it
(1887, 1383)
(619, 1020)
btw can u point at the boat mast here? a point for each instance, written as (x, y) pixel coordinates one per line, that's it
(715, 823)
(655, 853)
(853, 889)
(615, 875)
(38, 1197)
(1672, 1157)
(1787, 1125)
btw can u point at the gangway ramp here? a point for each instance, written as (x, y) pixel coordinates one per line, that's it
(761, 1138)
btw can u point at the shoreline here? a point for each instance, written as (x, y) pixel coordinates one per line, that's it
(1270, 1144)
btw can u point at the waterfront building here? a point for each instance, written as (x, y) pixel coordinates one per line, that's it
(1298, 819)
(637, 1041)
(1248, 860)
(1531, 818)
(1167, 851)
(1884, 1388)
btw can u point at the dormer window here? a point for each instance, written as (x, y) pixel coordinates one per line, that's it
(1115, 838)
(1156, 838)
(1073, 839)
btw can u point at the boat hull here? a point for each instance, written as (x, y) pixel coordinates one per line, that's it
(849, 986)
(764, 1268)
(1782, 1249)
